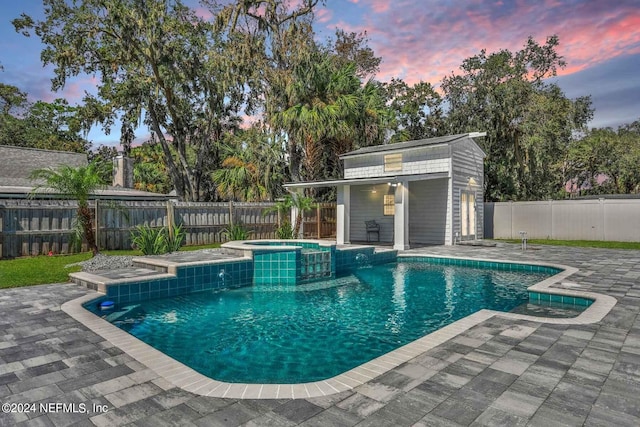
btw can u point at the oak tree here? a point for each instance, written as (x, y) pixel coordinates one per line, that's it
(155, 62)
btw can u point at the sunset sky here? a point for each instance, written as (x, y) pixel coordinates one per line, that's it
(426, 40)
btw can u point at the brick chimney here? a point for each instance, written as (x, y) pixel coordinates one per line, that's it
(122, 171)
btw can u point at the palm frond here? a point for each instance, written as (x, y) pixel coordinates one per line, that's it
(74, 183)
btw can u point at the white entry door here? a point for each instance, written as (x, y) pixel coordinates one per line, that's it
(468, 215)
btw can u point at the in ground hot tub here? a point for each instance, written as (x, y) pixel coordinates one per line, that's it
(302, 261)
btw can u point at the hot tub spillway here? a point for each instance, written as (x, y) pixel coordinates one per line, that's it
(316, 264)
(291, 262)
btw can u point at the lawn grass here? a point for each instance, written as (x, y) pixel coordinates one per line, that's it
(578, 243)
(38, 270)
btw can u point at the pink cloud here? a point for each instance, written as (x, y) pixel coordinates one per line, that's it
(249, 120)
(428, 40)
(324, 15)
(375, 5)
(203, 13)
(379, 6)
(349, 27)
(612, 36)
(39, 89)
(75, 90)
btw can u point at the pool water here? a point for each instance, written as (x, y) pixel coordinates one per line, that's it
(295, 334)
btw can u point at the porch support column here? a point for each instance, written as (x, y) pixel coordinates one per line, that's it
(342, 215)
(401, 218)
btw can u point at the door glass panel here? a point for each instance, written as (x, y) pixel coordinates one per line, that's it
(463, 214)
(472, 214)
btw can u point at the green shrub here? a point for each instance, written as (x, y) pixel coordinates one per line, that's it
(174, 243)
(156, 241)
(285, 231)
(150, 241)
(236, 232)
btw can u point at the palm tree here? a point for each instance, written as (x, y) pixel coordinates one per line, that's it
(330, 113)
(150, 172)
(237, 180)
(299, 202)
(73, 184)
(323, 100)
(253, 167)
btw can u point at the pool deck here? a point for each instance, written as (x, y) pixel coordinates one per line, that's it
(502, 371)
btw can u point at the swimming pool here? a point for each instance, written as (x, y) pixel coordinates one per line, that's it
(309, 332)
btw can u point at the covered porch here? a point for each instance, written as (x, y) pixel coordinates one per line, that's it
(409, 210)
(422, 192)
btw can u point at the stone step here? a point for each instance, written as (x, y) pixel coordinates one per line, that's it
(99, 280)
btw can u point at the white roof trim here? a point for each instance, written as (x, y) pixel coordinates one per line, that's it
(393, 150)
(335, 182)
(348, 156)
(367, 181)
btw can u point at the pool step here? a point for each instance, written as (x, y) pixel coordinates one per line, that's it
(174, 274)
(124, 312)
(186, 272)
(100, 280)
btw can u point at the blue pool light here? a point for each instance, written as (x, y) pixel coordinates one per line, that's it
(106, 305)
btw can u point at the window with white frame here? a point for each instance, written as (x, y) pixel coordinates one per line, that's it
(389, 204)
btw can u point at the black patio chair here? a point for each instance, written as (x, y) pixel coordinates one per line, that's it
(372, 227)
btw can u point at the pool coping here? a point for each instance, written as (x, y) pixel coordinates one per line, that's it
(189, 380)
(248, 247)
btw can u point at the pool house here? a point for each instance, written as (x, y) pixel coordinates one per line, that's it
(423, 192)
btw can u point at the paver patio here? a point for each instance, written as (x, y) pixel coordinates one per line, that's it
(500, 372)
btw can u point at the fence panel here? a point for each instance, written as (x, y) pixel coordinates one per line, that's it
(320, 222)
(533, 217)
(34, 227)
(117, 219)
(621, 220)
(577, 220)
(611, 219)
(202, 222)
(260, 218)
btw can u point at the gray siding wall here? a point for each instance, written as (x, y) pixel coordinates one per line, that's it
(467, 162)
(365, 206)
(414, 161)
(428, 211)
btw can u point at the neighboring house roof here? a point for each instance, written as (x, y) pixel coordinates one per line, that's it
(18, 163)
(113, 193)
(411, 144)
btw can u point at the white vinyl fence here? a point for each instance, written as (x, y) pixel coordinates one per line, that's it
(599, 219)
